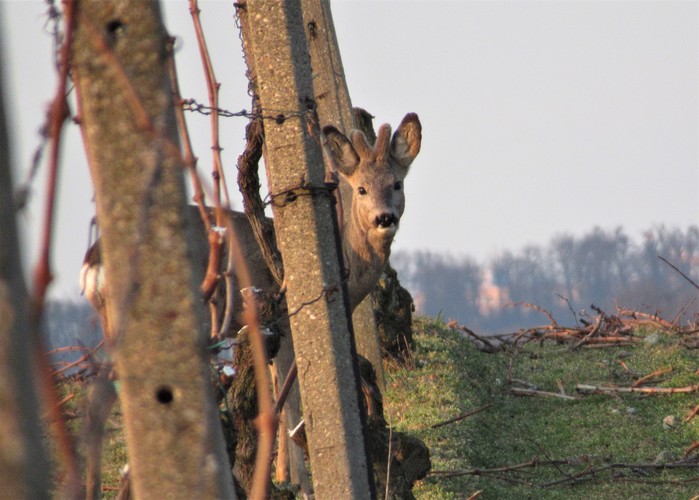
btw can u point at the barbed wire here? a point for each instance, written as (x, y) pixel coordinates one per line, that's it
(279, 116)
(291, 194)
(52, 26)
(327, 293)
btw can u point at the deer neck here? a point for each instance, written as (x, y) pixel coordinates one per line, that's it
(366, 253)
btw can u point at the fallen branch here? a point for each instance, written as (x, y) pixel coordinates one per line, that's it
(591, 472)
(605, 345)
(497, 470)
(537, 309)
(518, 391)
(642, 319)
(691, 414)
(592, 340)
(606, 330)
(656, 373)
(468, 331)
(588, 338)
(691, 448)
(69, 397)
(587, 474)
(591, 389)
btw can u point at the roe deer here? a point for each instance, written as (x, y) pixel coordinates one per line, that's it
(375, 175)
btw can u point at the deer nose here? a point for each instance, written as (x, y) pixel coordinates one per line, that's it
(385, 220)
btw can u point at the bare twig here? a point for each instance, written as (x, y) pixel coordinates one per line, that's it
(228, 279)
(538, 309)
(267, 419)
(389, 459)
(593, 332)
(680, 272)
(570, 308)
(625, 366)
(496, 470)
(461, 417)
(288, 382)
(190, 161)
(212, 87)
(90, 353)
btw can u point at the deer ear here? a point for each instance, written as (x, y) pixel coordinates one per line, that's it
(405, 144)
(340, 151)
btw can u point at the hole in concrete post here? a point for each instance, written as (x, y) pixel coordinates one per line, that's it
(115, 27)
(164, 395)
(115, 30)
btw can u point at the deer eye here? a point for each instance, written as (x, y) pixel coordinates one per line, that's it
(361, 190)
(397, 186)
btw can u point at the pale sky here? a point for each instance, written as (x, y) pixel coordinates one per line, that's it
(538, 117)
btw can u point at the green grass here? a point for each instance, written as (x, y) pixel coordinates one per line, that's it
(449, 376)
(114, 445)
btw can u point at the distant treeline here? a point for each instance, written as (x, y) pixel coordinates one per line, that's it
(565, 277)
(71, 324)
(604, 268)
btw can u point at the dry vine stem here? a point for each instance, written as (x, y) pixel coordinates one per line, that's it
(267, 420)
(82, 359)
(217, 172)
(58, 114)
(190, 161)
(212, 87)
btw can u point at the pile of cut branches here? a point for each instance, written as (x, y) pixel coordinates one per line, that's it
(601, 330)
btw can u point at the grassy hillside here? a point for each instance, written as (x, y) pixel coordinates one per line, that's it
(597, 446)
(542, 446)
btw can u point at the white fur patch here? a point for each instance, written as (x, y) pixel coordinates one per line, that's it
(92, 284)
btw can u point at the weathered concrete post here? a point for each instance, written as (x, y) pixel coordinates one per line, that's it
(334, 107)
(174, 440)
(304, 225)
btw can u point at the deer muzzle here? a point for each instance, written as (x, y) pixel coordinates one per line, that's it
(386, 220)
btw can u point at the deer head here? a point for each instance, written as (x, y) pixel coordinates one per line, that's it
(375, 174)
